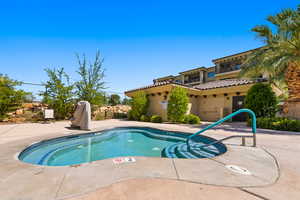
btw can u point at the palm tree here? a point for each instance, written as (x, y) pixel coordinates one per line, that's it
(279, 59)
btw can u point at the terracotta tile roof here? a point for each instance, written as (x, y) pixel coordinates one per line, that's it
(161, 83)
(222, 84)
(204, 86)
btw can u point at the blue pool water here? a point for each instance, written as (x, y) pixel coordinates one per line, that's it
(118, 142)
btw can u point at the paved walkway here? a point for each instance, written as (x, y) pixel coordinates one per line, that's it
(274, 167)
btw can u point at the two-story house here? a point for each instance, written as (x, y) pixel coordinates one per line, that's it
(213, 92)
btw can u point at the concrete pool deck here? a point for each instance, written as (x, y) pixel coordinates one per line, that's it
(274, 165)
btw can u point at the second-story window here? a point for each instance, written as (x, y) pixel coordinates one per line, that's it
(211, 74)
(192, 78)
(237, 67)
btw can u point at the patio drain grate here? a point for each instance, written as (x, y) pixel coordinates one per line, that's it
(238, 169)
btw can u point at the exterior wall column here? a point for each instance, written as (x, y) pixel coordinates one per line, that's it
(217, 70)
(182, 79)
(201, 76)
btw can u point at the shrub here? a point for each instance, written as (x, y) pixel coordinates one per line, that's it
(10, 97)
(139, 105)
(109, 114)
(177, 104)
(33, 116)
(145, 118)
(100, 116)
(261, 100)
(129, 115)
(278, 123)
(120, 115)
(156, 119)
(191, 119)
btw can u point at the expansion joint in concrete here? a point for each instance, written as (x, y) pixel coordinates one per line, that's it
(253, 194)
(177, 175)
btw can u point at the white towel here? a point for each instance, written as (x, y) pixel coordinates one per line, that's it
(82, 115)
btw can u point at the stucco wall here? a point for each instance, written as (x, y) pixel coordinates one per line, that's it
(208, 109)
(293, 110)
(195, 105)
(214, 108)
(227, 75)
(155, 106)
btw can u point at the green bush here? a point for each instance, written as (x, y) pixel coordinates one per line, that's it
(120, 115)
(191, 119)
(278, 123)
(139, 105)
(129, 115)
(261, 100)
(100, 116)
(177, 104)
(145, 118)
(156, 119)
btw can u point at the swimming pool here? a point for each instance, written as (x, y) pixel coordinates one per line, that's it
(117, 142)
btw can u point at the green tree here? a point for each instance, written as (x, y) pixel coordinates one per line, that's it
(90, 87)
(59, 93)
(10, 97)
(139, 105)
(279, 60)
(29, 97)
(262, 100)
(114, 99)
(177, 104)
(126, 101)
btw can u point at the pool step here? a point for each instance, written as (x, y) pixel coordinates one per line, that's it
(181, 150)
(169, 152)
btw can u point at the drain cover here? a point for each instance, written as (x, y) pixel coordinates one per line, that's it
(238, 169)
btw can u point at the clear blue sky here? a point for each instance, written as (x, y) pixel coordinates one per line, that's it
(139, 40)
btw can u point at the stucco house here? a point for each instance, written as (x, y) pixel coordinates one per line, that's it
(214, 92)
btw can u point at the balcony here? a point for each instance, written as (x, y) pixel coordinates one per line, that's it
(228, 68)
(192, 80)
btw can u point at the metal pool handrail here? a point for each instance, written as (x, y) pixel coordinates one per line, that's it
(250, 112)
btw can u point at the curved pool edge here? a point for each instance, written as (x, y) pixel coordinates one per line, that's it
(102, 131)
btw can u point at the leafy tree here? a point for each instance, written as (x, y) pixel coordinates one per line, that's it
(59, 93)
(280, 58)
(262, 100)
(10, 97)
(90, 87)
(178, 104)
(126, 101)
(114, 99)
(29, 97)
(139, 105)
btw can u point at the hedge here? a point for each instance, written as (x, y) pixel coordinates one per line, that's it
(278, 123)
(156, 119)
(191, 119)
